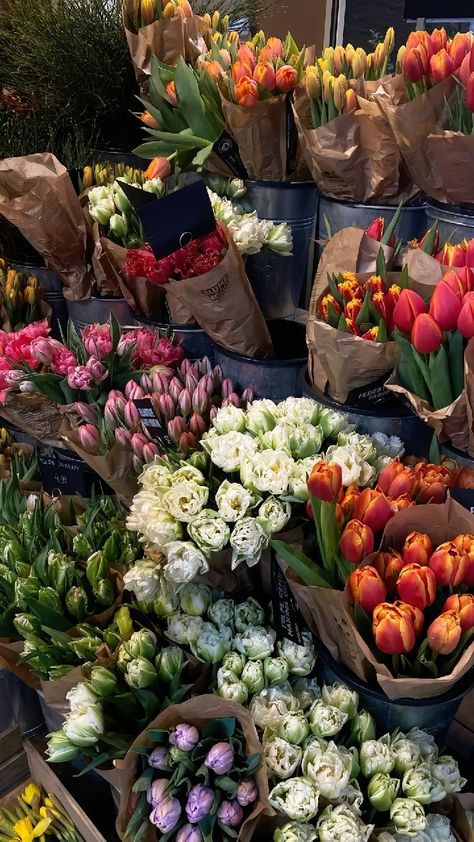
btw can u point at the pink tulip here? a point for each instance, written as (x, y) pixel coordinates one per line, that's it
(248, 396)
(126, 341)
(137, 443)
(187, 441)
(200, 399)
(131, 415)
(213, 412)
(233, 400)
(79, 378)
(87, 412)
(227, 388)
(166, 406)
(159, 382)
(176, 427)
(63, 360)
(174, 389)
(150, 451)
(89, 438)
(42, 349)
(197, 425)
(96, 369)
(134, 392)
(186, 366)
(191, 382)
(184, 402)
(145, 383)
(123, 437)
(97, 340)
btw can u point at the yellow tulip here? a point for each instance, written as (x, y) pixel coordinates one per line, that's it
(360, 52)
(339, 58)
(169, 11)
(313, 83)
(215, 19)
(389, 40)
(328, 80)
(357, 67)
(338, 91)
(87, 177)
(349, 52)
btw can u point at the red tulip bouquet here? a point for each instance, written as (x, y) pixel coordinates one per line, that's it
(434, 369)
(428, 260)
(438, 74)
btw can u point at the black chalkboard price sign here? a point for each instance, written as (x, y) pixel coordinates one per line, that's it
(285, 611)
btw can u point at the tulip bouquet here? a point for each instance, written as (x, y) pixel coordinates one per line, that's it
(428, 260)
(195, 783)
(331, 776)
(260, 459)
(105, 172)
(427, 59)
(20, 299)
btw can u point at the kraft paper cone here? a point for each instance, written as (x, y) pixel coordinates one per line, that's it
(349, 250)
(194, 44)
(260, 133)
(197, 712)
(37, 195)
(390, 88)
(36, 415)
(412, 123)
(224, 305)
(115, 467)
(106, 280)
(141, 295)
(452, 167)
(164, 39)
(424, 271)
(345, 361)
(55, 691)
(460, 803)
(353, 157)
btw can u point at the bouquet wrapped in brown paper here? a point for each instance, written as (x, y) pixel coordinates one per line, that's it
(199, 726)
(427, 262)
(261, 135)
(348, 332)
(38, 197)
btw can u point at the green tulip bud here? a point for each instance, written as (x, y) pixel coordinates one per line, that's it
(76, 602)
(235, 188)
(194, 599)
(111, 548)
(103, 681)
(16, 557)
(252, 676)
(26, 588)
(60, 749)
(362, 728)
(340, 696)
(293, 727)
(169, 662)
(27, 624)
(123, 658)
(7, 574)
(81, 546)
(176, 754)
(104, 592)
(124, 622)
(97, 568)
(118, 225)
(199, 460)
(382, 791)
(235, 662)
(142, 644)
(276, 670)
(85, 647)
(167, 601)
(49, 597)
(140, 674)
(236, 692)
(60, 571)
(112, 638)
(221, 612)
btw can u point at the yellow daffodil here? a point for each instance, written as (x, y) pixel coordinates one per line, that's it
(31, 792)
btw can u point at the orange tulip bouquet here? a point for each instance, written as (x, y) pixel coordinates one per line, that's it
(433, 118)
(346, 139)
(390, 587)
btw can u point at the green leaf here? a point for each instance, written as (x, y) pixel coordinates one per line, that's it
(403, 278)
(190, 101)
(392, 225)
(381, 265)
(201, 157)
(144, 781)
(157, 735)
(141, 810)
(221, 728)
(303, 566)
(456, 362)
(434, 455)
(48, 616)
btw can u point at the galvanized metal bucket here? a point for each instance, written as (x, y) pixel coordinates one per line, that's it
(19, 705)
(194, 341)
(454, 224)
(397, 421)
(334, 215)
(95, 309)
(278, 281)
(52, 292)
(275, 378)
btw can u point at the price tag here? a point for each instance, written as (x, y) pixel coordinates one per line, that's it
(285, 610)
(63, 475)
(151, 423)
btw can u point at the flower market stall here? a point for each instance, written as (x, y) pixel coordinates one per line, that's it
(237, 435)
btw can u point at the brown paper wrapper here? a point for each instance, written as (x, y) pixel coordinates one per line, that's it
(349, 250)
(164, 39)
(457, 812)
(55, 691)
(390, 88)
(35, 414)
(194, 43)
(197, 712)
(425, 271)
(115, 467)
(412, 123)
(452, 167)
(353, 157)
(260, 133)
(37, 195)
(344, 361)
(224, 305)
(142, 296)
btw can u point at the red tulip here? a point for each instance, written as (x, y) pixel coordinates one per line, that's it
(367, 588)
(375, 228)
(329, 303)
(445, 306)
(373, 509)
(470, 93)
(441, 66)
(396, 479)
(371, 334)
(393, 629)
(458, 48)
(264, 74)
(286, 78)
(439, 39)
(416, 585)
(357, 541)
(450, 563)
(246, 92)
(470, 256)
(455, 284)
(375, 284)
(407, 308)
(444, 633)
(353, 308)
(417, 548)
(466, 317)
(325, 481)
(348, 498)
(463, 605)
(452, 255)
(413, 65)
(413, 613)
(389, 565)
(426, 335)
(467, 66)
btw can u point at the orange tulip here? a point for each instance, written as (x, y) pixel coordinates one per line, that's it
(350, 101)
(240, 70)
(147, 10)
(463, 605)
(393, 629)
(246, 92)
(149, 120)
(426, 335)
(412, 65)
(441, 66)
(367, 588)
(449, 563)
(417, 548)
(213, 68)
(416, 585)
(275, 46)
(407, 308)
(413, 613)
(404, 501)
(348, 498)
(325, 481)
(246, 55)
(466, 544)
(421, 38)
(171, 91)
(445, 306)
(396, 479)
(373, 509)
(158, 168)
(264, 74)
(357, 541)
(286, 78)
(444, 633)
(389, 565)
(431, 482)
(458, 48)
(439, 39)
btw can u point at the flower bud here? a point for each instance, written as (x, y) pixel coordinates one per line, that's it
(407, 308)
(426, 334)
(140, 674)
(253, 677)
(356, 542)
(325, 481)
(382, 791)
(463, 605)
(388, 565)
(220, 758)
(276, 670)
(444, 633)
(393, 631)
(103, 681)
(373, 509)
(142, 644)
(76, 602)
(362, 728)
(293, 728)
(367, 588)
(416, 585)
(449, 563)
(89, 438)
(199, 803)
(417, 548)
(247, 792)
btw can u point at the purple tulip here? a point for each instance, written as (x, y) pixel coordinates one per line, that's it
(158, 759)
(247, 792)
(185, 737)
(220, 758)
(156, 792)
(230, 813)
(199, 803)
(166, 814)
(189, 833)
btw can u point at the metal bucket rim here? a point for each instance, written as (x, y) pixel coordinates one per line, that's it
(95, 298)
(281, 185)
(465, 683)
(457, 210)
(270, 363)
(355, 410)
(420, 206)
(174, 326)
